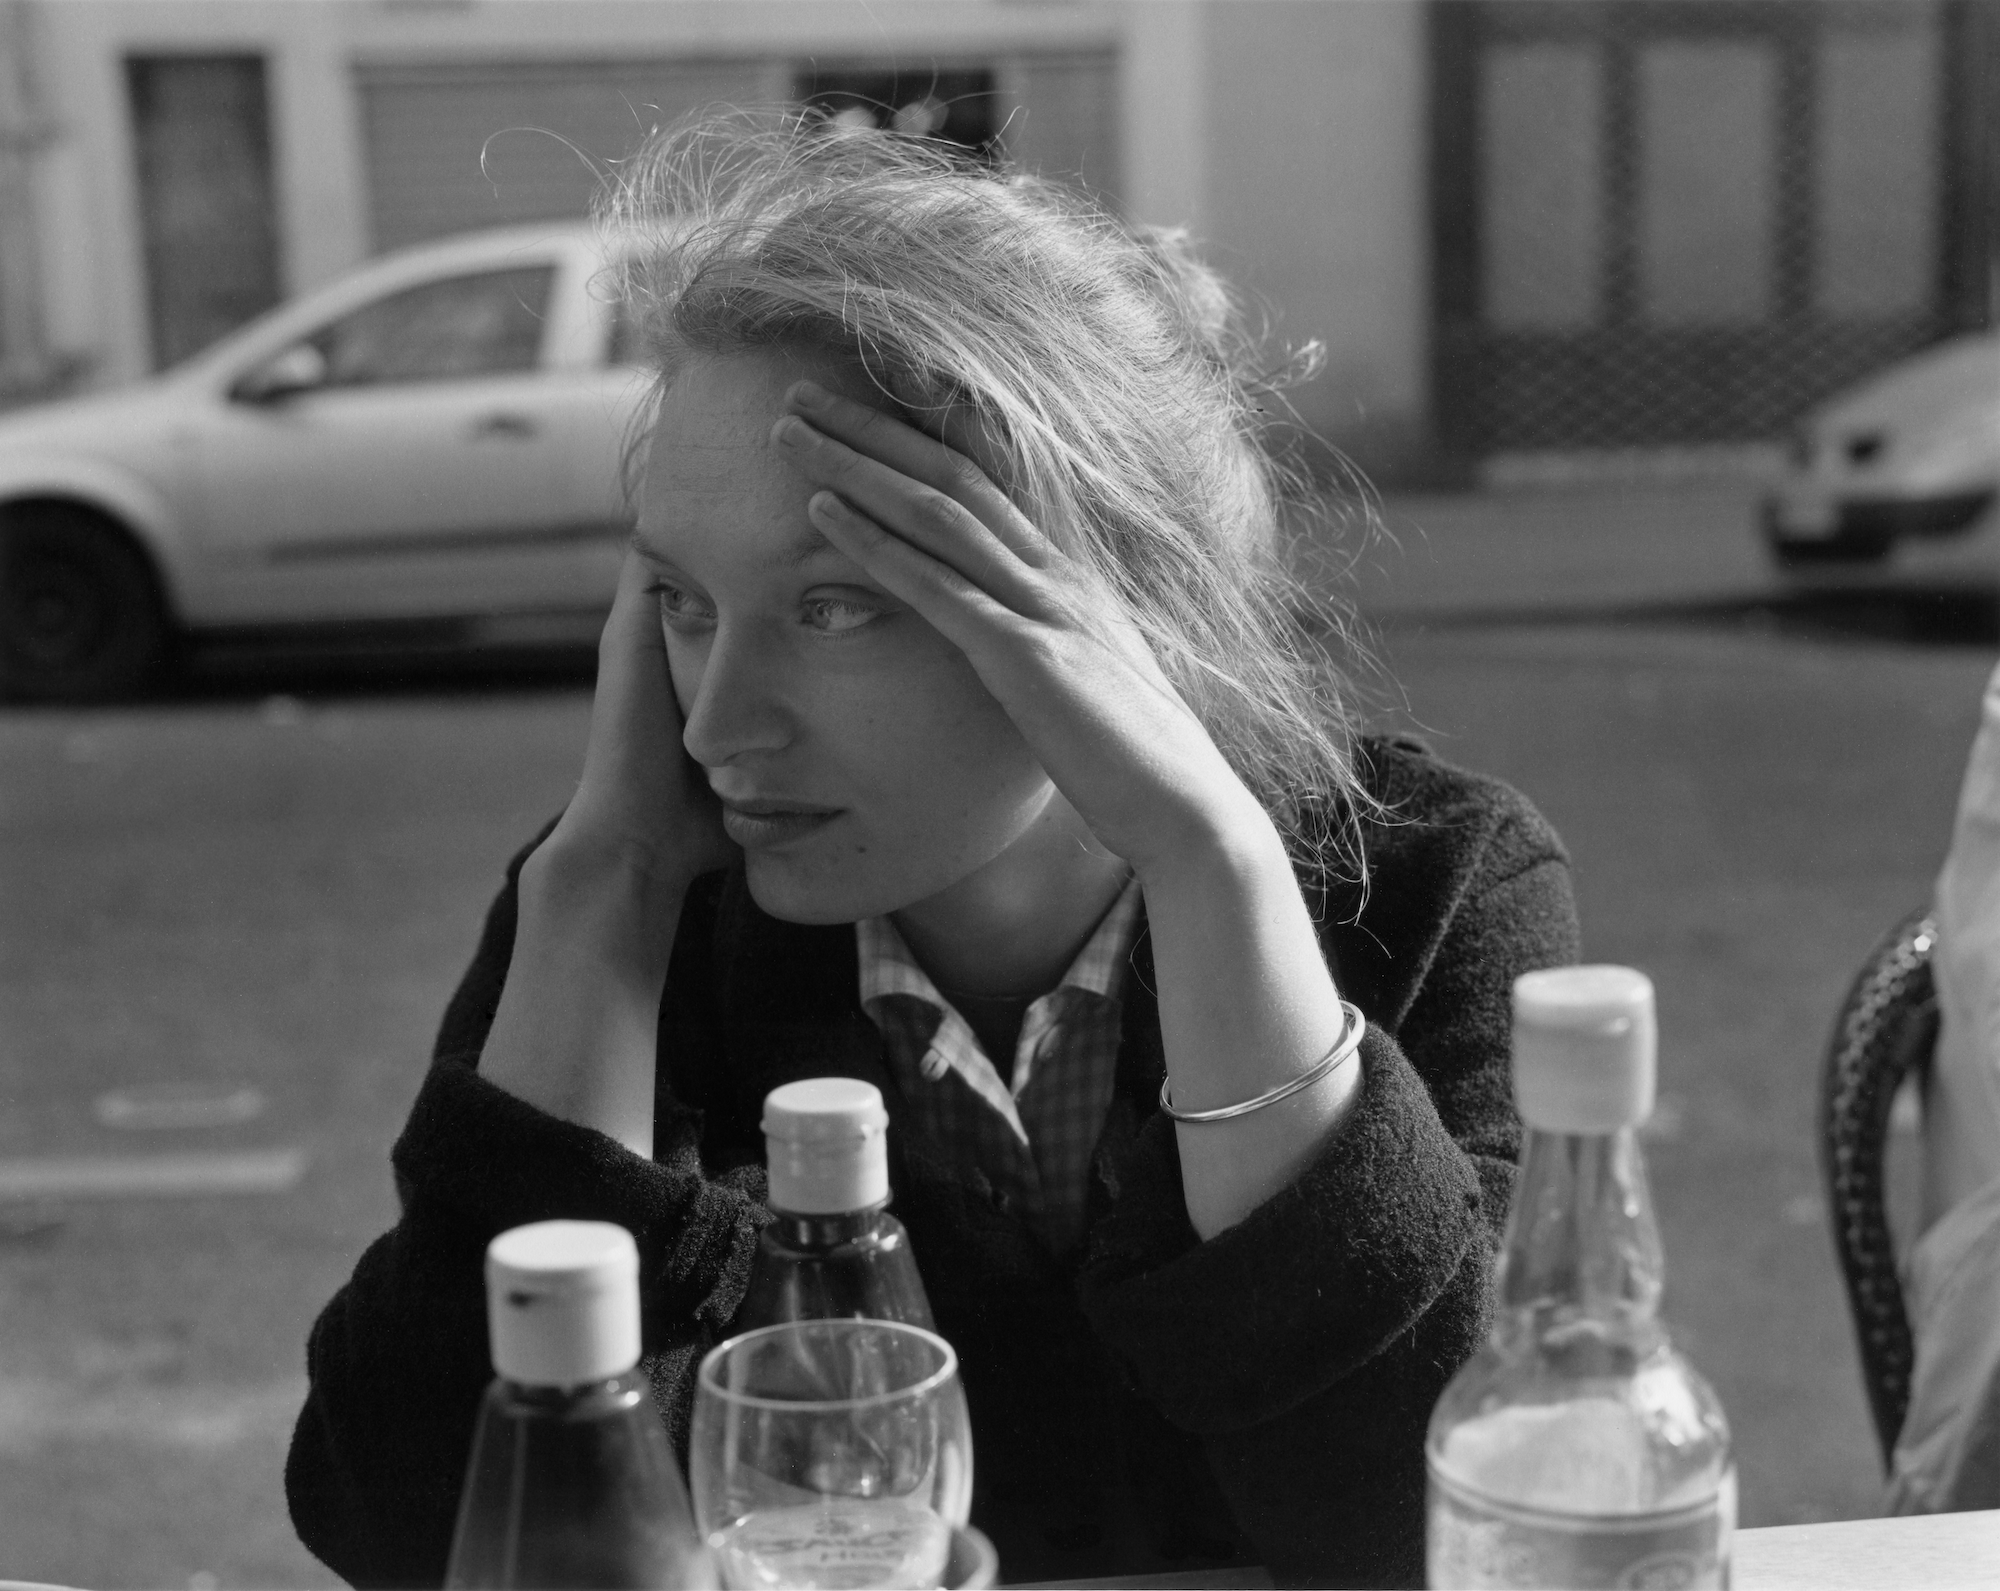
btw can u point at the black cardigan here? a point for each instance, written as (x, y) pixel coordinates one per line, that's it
(1259, 1397)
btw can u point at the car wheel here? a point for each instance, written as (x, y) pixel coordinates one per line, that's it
(81, 613)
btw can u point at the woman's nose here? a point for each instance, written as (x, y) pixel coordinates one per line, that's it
(737, 704)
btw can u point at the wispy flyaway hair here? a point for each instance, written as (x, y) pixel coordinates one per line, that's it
(1111, 370)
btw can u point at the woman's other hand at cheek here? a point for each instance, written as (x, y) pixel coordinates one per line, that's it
(575, 1032)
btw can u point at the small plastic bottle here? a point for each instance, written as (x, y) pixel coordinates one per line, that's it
(572, 1480)
(1577, 1448)
(834, 1249)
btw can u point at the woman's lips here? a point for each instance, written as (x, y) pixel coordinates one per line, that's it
(759, 825)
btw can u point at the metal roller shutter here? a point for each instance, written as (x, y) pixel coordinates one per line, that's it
(1684, 224)
(452, 147)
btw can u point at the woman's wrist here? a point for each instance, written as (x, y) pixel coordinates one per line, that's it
(576, 1028)
(1247, 1005)
(622, 902)
(1230, 839)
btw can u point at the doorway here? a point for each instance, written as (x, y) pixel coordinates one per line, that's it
(201, 133)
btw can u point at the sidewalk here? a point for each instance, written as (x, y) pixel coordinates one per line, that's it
(1563, 553)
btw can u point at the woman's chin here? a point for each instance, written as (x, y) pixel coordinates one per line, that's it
(814, 896)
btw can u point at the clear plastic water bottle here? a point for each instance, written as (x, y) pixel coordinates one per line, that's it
(834, 1249)
(572, 1480)
(1576, 1448)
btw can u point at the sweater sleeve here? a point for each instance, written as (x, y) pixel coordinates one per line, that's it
(398, 1361)
(1308, 1343)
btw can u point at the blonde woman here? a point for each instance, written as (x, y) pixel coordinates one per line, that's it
(958, 727)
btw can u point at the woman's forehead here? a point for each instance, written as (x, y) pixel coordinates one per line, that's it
(712, 434)
(718, 410)
(714, 480)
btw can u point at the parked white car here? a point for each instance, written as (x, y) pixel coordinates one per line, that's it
(436, 435)
(1909, 459)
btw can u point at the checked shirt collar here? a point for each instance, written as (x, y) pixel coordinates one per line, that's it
(1035, 1139)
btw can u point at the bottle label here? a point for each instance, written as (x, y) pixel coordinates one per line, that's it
(1476, 1541)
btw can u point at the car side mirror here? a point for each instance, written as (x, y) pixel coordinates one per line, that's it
(299, 368)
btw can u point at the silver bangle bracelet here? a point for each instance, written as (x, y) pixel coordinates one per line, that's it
(1342, 1051)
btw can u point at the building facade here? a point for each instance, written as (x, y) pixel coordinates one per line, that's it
(1671, 224)
(1512, 225)
(202, 157)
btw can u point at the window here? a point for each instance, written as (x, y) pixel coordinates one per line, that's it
(1875, 175)
(1541, 183)
(465, 326)
(1708, 176)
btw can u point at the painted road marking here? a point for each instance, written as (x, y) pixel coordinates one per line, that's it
(154, 1106)
(152, 1176)
(40, 1412)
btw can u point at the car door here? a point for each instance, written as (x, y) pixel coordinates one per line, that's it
(412, 457)
(598, 388)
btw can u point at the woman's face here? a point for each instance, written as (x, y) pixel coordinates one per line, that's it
(861, 764)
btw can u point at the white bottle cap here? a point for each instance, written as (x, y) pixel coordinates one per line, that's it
(826, 1143)
(562, 1302)
(1585, 1046)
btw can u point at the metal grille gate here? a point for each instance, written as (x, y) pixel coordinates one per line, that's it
(1682, 222)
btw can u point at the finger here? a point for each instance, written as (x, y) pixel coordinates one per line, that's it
(969, 433)
(634, 689)
(957, 461)
(633, 627)
(939, 524)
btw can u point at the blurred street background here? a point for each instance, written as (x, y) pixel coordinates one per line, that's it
(1582, 274)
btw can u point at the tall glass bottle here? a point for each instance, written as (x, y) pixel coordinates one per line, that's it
(572, 1480)
(1577, 1448)
(834, 1249)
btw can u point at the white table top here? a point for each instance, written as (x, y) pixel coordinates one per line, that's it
(1934, 1552)
(1927, 1552)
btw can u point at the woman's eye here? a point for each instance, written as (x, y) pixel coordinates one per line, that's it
(835, 616)
(680, 608)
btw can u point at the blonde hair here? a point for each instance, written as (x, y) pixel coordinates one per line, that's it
(1111, 369)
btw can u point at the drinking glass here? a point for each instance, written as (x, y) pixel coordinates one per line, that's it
(831, 1454)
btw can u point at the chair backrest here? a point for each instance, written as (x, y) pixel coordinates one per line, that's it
(1886, 1030)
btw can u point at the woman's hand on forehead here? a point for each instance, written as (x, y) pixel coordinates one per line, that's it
(882, 457)
(934, 529)
(1246, 1001)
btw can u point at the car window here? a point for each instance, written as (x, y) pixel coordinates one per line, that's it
(464, 326)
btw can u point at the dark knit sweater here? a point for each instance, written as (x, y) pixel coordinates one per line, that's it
(1261, 1396)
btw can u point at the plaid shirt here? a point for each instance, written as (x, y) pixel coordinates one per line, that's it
(1034, 1142)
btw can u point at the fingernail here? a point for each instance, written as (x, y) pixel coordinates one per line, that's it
(808, 395)
(790, 432)
(827, 506)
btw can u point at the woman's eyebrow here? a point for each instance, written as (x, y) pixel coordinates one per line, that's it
(637, 542)
(806, 549)
(803, 549)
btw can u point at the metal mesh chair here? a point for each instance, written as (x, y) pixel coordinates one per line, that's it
(1886, 1030)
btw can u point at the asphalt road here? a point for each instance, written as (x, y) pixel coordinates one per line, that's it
(265, 888)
